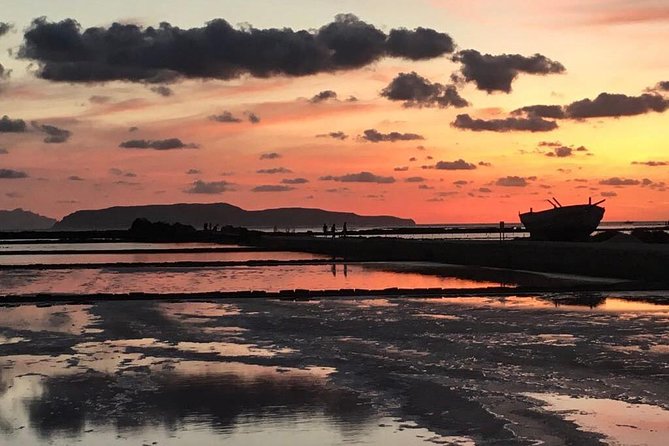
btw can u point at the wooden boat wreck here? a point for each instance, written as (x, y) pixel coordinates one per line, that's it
(563, 223)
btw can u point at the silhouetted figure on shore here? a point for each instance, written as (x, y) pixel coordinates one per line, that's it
(325, 229)
(334, 230)
(343, 231)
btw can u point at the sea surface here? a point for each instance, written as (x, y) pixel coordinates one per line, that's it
(586, 368)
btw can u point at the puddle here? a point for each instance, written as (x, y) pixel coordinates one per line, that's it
(72, 319)
(622, 423)
(196, 402)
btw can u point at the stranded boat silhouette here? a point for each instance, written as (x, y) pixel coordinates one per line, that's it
(563, 223)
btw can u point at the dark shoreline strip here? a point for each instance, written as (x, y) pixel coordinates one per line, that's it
(178, 264)
(302, 294)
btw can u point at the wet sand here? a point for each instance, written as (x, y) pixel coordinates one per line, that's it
(459, 370)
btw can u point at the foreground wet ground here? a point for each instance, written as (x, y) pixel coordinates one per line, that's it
(398, 371)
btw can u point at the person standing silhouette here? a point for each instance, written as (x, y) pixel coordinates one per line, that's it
(325, 229)
(343, 230)
(334, 230)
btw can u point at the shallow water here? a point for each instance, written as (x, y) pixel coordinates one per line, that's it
(600, 302)
(192, 280)
(116, 246)
(389, 371)
(92, 259)
(621, 423)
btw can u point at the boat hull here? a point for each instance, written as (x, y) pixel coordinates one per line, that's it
(567, 223)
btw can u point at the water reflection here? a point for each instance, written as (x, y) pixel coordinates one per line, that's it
(599, 303)
(266, 278)
(92, 259)
(619, 422)
(62, 406)
(71, 319)
(120, 246)
(173, 402)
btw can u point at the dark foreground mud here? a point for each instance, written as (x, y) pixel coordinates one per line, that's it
(456, 370)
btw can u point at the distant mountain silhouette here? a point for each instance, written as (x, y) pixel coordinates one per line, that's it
(20, 220)
(122, 217)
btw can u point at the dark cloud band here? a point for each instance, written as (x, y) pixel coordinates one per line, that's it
(217, 50)
(529, 124)
(158, 144)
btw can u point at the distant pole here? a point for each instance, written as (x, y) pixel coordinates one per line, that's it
(501, 231)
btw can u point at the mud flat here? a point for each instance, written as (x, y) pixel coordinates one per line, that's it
(392, 371)
(634, 261)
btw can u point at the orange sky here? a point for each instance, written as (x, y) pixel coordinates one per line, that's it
(605, 46)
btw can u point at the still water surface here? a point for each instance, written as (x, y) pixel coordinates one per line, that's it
(193, 280)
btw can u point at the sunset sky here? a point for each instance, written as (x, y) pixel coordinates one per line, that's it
(420, 108)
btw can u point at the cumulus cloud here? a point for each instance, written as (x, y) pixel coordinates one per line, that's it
(63, 52)
(421, 43)
(417, 91)
(496, 73)
(485, 190)
(55, 135)
(605, 105)
(334, 135)
(323, 96)
(99, 99)
(119, 172)
(485, 164)
(651, 163)
(661, 86)
(373, 135)
(4, 74)
(617, 181)
(193, 172)
(8, 125)
(5, 28)
(561, 152)
(458, 164)
(226, 116)
(157, 144)
(512, 181)
(541, 111)
(272, 188)
(211, 188)
(530, 124)
(274, 170)
(270, 156)
(609, 194)
(362, 177)
(614, 105)
(294, 181)
(10, 174)
(252, 117)
(414, 179)
(401, 169)
(162, 90)
(75, 178)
